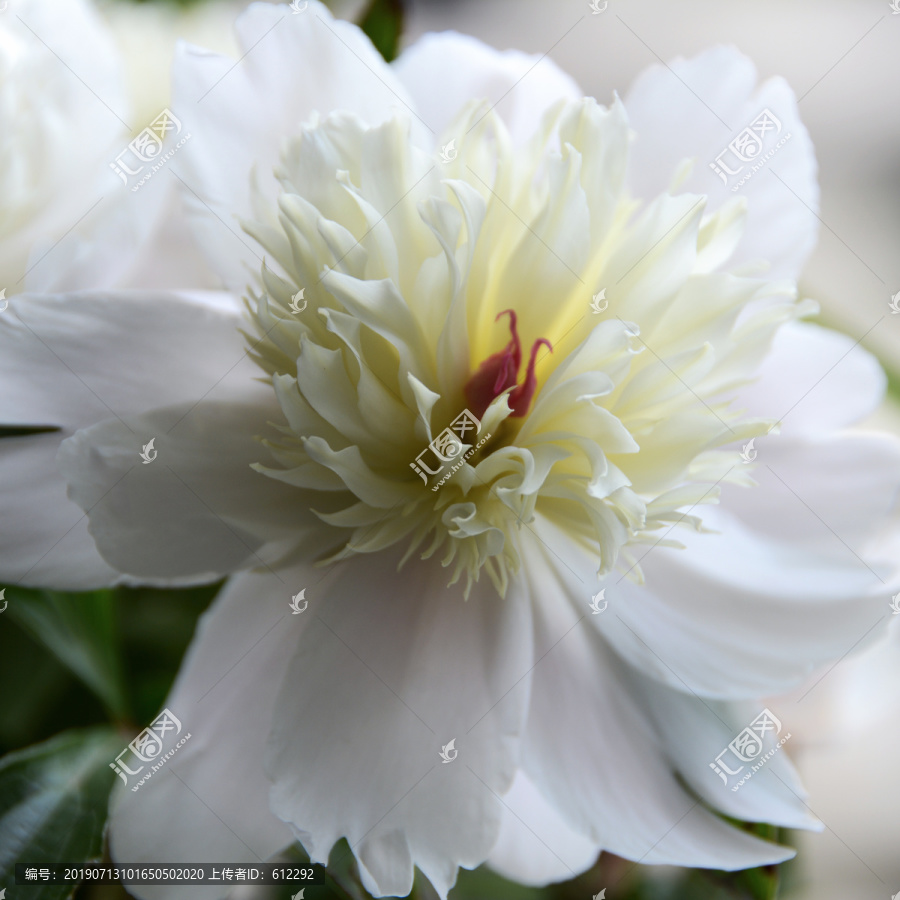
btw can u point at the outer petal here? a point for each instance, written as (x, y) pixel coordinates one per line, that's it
(692, 109)
(729, 616)
(69, 361)
(536, 846)
(73, 359)
(197, 510)
(694, 732)
(815, 381)
(213, 793)
(130, 240)
(47, 543)
(390, 669)
(829, 490)
(445, 71)
(239, 112)
(593, 751)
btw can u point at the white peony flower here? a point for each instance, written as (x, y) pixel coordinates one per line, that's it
(399, 292)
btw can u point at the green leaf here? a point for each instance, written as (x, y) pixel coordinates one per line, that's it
(80, 630)
(762, 883)
(383, 23)
(53, 801)
(483, 882)
(10, 431)
(893, 381)
(41, 696)
(156, 627)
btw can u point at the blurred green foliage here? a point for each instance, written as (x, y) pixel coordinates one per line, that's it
(104, 659)
(69, 660)
(383, 23)
(53, 800)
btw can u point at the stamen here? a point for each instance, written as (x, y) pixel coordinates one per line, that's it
(520, 399)
(498, 374)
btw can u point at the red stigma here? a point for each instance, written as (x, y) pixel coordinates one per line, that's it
(498, 374)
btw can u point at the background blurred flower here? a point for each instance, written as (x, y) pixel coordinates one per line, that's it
(58, 132)
(69, 223)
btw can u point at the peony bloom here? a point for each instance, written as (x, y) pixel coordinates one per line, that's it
(481, 377)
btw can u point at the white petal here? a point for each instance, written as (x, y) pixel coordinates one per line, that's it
(536, 846)
(814, 380)
(130, 240)
(845, 485)
(213, 792)
(197, 509)
(692, 109)
(694, 732)
(391, 669)
(445, 71)
(729, 615)
(593, 751)
(71, 360)
(292, 66)
(46, 543)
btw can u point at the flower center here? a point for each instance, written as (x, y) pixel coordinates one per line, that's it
(613, 449)
(498, 373)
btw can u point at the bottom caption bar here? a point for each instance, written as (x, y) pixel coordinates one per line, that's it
(207, 873)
